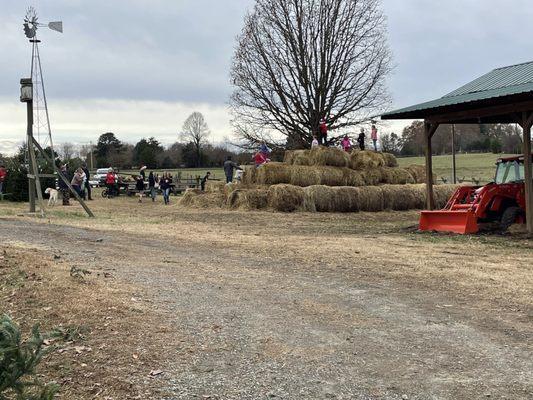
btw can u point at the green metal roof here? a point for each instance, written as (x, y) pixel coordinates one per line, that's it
(506, 81)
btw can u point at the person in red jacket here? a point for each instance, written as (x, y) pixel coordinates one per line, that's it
(323, 130)
(260, 159)
(110, 182)
(3, 176)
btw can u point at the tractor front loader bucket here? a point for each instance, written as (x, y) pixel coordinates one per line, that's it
(462, 222)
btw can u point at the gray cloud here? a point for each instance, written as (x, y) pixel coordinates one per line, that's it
(178, 52)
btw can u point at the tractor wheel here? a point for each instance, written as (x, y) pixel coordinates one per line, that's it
(509, 217)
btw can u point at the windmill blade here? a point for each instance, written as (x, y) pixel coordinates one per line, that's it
(56, 26)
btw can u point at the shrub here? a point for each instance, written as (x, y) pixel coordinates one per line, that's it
(18, 361)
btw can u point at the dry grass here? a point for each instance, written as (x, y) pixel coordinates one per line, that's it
(110, 342)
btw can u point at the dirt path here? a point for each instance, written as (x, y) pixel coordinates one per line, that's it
(245, 324)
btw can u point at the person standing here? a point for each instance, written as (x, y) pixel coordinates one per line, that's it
(323, 130)
(260, 158)
(87, 183)
(204, 181)
(63, 187)
(165, 183)
(77, 181)
(142, 173)
(229, 168)
(374, 137)
(264, 149)
(361, 139)
(139, 185)
(110, 182)
(3, 177)
(346, 144)
(314, 143)
(152, 179)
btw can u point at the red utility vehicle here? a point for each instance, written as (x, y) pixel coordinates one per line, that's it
(502, 201)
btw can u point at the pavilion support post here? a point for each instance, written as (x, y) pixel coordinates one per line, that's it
(429, 130)
(527, 122)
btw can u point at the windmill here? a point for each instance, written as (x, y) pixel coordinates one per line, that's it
(39, 133)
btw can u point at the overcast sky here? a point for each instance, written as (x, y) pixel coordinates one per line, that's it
(140, 67)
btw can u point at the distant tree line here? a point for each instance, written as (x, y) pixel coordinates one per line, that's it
(498, 138)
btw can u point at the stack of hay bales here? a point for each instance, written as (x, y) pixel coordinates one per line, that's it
(321, 198)
(324, 180)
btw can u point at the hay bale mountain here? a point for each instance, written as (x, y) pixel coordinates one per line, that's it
(324, 180)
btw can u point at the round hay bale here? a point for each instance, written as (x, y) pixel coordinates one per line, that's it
(322, 198)
(399, 197)
(329, 156)
(273, 173)
(419, 192)
(370, 198)
(346, 199)
(285, 198)
(297, 157)
(372, 177)
(248, 199)
(353, 178)
(443, 193)
(249, 175)
(305, 176)
(396, 176)
(390, 160)
(418, 172)
(366, 159)
(319, 198)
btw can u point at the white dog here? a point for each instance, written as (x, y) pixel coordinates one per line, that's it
(53, 196)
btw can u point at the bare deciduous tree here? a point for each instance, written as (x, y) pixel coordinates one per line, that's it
(298, 61)
(196, 131)
(67, 150)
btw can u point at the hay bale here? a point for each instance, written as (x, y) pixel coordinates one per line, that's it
(390, 160)
(400, 197)
(419, 173)
(372, 177)
(353, 178)
(366, 159)
(272, 174)
(370, 198)
(319, 198)
(396, 176)
(322, 198)
(285, 198)
(297, 157)
(443, 193)
(303, 176)
(329, 156)
(248, 199)
(249, 175)
(215, 186)
(195, 198)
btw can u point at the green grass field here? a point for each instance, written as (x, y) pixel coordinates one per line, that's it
(469, 166)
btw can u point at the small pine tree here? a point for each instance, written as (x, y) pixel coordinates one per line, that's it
(18, 361)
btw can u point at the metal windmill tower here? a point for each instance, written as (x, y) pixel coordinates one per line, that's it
(41, 119)
(39, 133)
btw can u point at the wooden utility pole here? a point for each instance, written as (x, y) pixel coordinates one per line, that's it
(429, 130)
(527, 122)
(454, 165)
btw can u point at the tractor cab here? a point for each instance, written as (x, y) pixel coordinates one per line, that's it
(509, 170)
(501, 202)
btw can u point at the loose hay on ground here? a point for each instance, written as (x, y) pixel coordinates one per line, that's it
(195, 198)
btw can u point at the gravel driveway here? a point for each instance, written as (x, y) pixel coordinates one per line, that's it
(245, 325)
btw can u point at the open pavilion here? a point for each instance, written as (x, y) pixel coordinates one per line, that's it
(504, 95)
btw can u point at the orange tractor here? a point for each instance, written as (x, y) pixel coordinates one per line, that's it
(502, 202)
